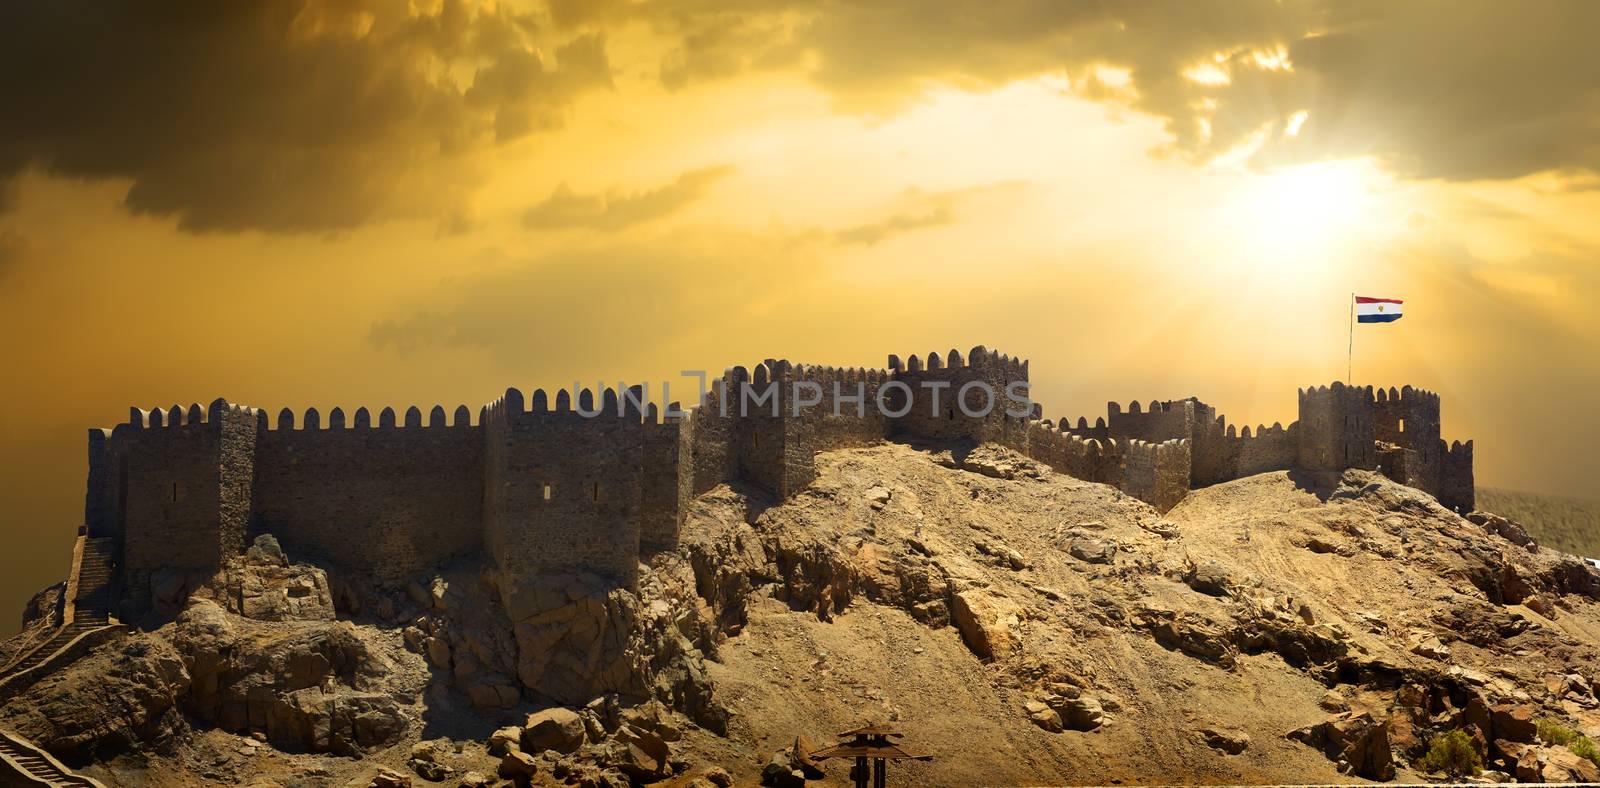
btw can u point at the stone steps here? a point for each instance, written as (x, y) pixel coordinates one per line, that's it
(92, 606)
(24, 763)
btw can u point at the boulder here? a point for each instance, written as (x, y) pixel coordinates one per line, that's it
(1228, 741)
(475, 780)
(1514, 723)
(717, 776)
(518, 766)
(559, 729)
(1562, 765)
(988, 624)
(1529, 768)
(576, 636)
(639, 753)
(1093, 551)
(1209, 578)
(1356, 739)
(1043, 716)
(429, 770)
(1576, 684)
(389, 778)
(780, 772)
(505, 739)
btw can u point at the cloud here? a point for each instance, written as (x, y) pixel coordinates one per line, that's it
(1450, 89)
(617, 210)
(896, 224)
(919, 211)
(298, 116)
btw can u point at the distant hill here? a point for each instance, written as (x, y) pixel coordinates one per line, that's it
(1570, 524)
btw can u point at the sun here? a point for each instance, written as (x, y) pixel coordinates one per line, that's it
(1307, 210)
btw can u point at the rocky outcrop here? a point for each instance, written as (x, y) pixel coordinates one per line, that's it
(106, 703)
(1356, 741)
(316, 686)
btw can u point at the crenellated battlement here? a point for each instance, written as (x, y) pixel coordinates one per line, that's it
(588, 479)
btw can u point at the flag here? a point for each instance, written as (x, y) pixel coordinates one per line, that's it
(1377, 310)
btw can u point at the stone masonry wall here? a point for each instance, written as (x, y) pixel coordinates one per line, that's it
(1457, 488)
(1162, 421)
(662, 497)
(171, 467)
(1335, 429)
(389, 499)
(936, 394)
(1272, 448)
(570, 488)
(1156, 473)
(560, 487)
(101, 500)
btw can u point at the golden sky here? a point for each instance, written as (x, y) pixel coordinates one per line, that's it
(383, 202)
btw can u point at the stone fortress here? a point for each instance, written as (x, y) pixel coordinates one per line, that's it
(541, 485)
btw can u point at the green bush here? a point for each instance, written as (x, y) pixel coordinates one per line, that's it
(1452, 754)
(1553, 732)
(1584, 747)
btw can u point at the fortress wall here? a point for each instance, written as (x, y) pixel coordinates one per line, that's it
(711, 442)
(1098, 431)
(756, 403)
(237, 463)
(1214, 451)
(571, 487)
(1335, 428)
(100, 501)
(1407, 417)
(1156, 473)
(1065, 452)
(1386, 416)
(179, 473)
(392, 500)
(852, 425)
(1457, 489)
(1420, 411)
(662, 496)
(1272, 448)
(936, 386)
(1162, 421)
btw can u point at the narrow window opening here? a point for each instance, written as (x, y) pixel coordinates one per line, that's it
(174, 492)
(1402, 426)
(950, 414)
(597, 491)
(547, 492)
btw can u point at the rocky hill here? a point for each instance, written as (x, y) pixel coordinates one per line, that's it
(1019, 625)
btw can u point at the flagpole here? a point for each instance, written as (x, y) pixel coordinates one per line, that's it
(1350, 357)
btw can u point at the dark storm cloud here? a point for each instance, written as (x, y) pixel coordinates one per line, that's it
(617, 210)
(1453, 89)
(280, 116)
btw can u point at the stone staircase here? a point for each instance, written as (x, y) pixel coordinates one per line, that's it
(24, 763)
(88, 611)
(93, 605)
